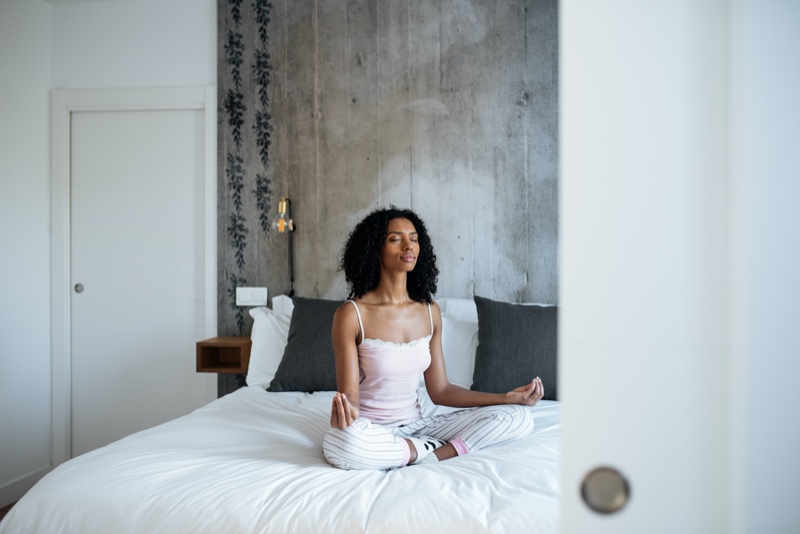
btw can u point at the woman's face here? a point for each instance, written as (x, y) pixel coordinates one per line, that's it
(401, 249)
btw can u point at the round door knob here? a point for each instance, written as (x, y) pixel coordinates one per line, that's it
(605, 490)
(78, 288)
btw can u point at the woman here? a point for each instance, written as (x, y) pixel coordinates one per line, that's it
(388, 334)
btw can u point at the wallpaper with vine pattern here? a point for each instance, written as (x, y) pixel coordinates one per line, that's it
(245, 193)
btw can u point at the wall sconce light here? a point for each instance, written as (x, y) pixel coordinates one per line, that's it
(284, 224)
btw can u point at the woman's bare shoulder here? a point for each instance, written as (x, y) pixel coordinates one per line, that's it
(345, 319)
(345, 309)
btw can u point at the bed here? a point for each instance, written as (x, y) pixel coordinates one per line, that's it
(252, 461)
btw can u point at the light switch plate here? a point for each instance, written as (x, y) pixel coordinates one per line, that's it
(251, 296)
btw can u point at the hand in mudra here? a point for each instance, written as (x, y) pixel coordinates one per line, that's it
(342, 412)
(527, 395)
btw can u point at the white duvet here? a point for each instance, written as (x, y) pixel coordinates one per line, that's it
(252, 462)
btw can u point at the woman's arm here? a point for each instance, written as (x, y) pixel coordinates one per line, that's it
(442, 392)
(344, 336)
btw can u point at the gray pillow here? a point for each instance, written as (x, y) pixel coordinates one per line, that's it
(308, 363)
(516, 343)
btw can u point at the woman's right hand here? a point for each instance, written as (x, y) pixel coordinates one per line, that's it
(342, 412)
(527, 395)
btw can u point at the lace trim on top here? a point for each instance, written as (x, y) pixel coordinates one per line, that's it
(372, 342)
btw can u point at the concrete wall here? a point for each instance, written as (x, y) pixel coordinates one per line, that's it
(449, 108)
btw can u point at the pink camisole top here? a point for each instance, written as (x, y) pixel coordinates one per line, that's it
(390, 376)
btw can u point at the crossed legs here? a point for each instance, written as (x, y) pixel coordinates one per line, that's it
(364, 445)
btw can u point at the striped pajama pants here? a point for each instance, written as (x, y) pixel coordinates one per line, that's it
(365, 445)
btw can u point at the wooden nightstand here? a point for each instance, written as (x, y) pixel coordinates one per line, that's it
(223, 355)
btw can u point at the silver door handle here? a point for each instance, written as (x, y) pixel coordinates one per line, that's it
(605, 490)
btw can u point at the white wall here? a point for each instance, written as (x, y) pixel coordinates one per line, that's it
(24, 244)
(135, 43)
(142, 43)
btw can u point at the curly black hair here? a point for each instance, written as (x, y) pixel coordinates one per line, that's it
(361, 255)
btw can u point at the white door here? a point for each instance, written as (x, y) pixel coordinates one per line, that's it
(644, 367)
(137, 271)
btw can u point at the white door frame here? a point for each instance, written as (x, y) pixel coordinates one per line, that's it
(63, 104)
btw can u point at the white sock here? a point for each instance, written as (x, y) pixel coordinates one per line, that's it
(429, 459)
(425, 446)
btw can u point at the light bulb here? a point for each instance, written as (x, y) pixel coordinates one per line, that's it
(283, 222)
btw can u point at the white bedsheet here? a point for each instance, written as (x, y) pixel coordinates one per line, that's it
(252, 462)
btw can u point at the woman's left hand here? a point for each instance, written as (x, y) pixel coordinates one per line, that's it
(342, 412)
(528, 395)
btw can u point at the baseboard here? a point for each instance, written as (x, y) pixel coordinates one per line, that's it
(13, 490)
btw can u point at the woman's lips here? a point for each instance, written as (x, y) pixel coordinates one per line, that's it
(408, 258)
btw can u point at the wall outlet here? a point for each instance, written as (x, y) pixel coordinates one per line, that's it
(251, 296)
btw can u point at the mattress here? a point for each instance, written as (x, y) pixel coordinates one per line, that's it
(252, 462)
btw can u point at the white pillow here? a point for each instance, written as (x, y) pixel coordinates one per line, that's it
(459, 344)
(459, 309)
(269, 336)
(466, 310)
(283, 304)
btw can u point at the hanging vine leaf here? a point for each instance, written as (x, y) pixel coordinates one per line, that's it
(234, 56)
(236, 12)
(237, 281)
(234, 108)
(237, 232)
(235, 174)
(263, 191)
(261, 72)
(263, 131)
(262, 9)
(262, 125)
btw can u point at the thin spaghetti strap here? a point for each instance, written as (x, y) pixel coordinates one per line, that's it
(430, 314)
(361, 324)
